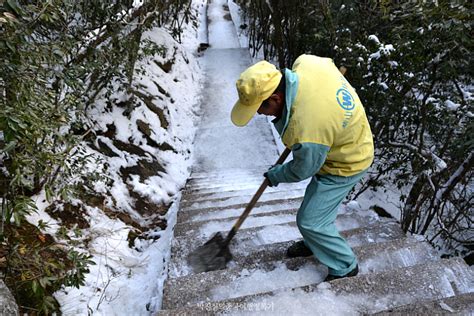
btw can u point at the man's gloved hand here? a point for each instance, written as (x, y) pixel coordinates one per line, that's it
(269, 181)
(266, 175)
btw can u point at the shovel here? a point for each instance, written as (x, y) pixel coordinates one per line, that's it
(215, 253)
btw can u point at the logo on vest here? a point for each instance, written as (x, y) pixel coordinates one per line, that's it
(346, 102)
(345, 99)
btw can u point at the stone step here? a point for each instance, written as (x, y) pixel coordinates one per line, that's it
(192, 186)
(191, 193)
(365, 293)
(266, 216)
(210, 227)
(203, 182)
(8, 305)
(267, 207)
(227, 173)
(241, 207)
(191, 196)
(462, 304)
(257, 240)
(290, 273)
(217, 186)
(406, 250)
(232, 211)
(241, 199)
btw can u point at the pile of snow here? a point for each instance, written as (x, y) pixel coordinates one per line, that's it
(383, 50)
(178, 109)
(451, 106)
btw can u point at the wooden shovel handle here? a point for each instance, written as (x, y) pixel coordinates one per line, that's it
(254, 200)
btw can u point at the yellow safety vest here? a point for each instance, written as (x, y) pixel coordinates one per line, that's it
(328, 111)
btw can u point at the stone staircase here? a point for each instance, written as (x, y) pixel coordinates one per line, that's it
(398, 274)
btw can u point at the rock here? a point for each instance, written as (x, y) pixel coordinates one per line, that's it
(144, 127)
(130, 148)
(105, 149)
(70, 215)
(8, 305)
(167, 66)
(148, 101)
(144, 169)
(160, 88)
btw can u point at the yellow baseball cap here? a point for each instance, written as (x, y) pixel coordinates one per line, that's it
(255, 85)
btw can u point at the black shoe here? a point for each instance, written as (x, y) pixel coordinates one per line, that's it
(298, 249)
(353, 273)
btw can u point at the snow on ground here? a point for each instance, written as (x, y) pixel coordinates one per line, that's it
(239, 23)
(387, 198)
(129, 280)
(222, 34)
(41, 215)
(180, 112)
(219, 144)
(123, 281)
(191, 38)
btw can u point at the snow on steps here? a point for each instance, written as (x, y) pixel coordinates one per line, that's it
(290, 202)
(257, 239)
(208, 226)
(194, 185)
(231, 189)
(213, 213)
(365, 293)
(459, 305)
(241, 200)
(396, 250)
(262, 276)
(227, 174)
(394, 270)
(245, 184)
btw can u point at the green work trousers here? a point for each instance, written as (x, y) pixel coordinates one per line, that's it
(316, 217)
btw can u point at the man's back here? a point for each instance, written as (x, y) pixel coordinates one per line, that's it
(328, 111)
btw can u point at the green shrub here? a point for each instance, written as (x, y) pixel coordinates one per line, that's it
(57, 58)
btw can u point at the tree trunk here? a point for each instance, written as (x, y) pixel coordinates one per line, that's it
(278, 35)
(410, 212)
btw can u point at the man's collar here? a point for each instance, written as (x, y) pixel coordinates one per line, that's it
(291, 81)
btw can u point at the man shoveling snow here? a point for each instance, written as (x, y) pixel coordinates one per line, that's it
(321, 119)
